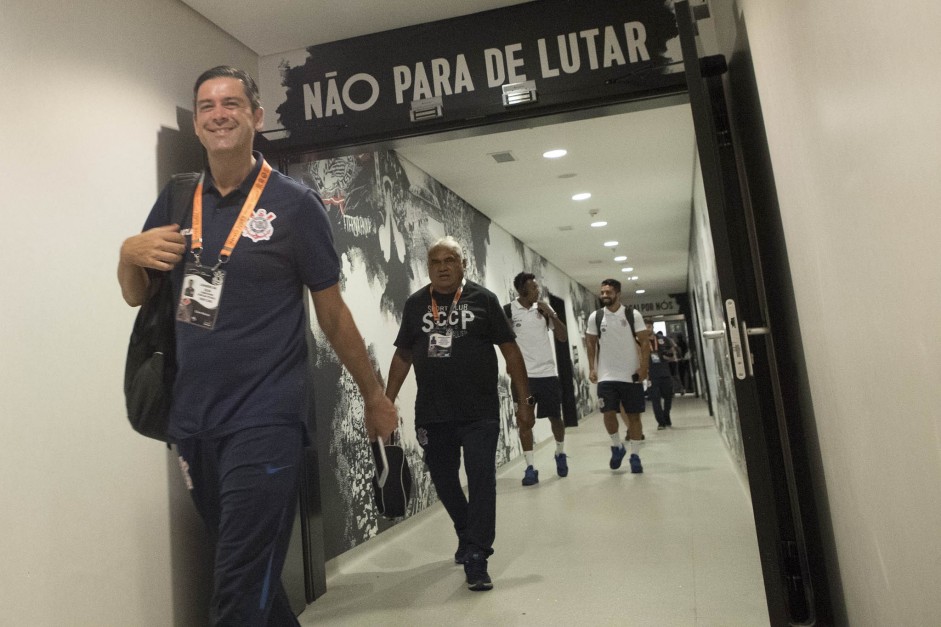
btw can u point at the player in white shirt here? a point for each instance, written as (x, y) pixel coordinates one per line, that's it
(533, 321)
(618, 360)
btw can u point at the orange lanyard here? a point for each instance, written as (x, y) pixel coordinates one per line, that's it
(244, 215)
(434, 305)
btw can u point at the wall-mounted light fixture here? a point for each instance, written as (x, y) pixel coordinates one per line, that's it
(426, 109)
(519, 93)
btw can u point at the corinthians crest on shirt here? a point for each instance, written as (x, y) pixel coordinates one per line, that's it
(259, 228)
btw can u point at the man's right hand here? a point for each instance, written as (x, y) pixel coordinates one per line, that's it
(382, 418)
(159, 248)
(593, 375)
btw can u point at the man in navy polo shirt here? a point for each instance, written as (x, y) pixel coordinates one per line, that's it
(255, 241)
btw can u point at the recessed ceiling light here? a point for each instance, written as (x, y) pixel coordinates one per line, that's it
(611, 244)
(640, 291)
(599, 223)
(627, 270)
(621, 258)
(634, 278)
(555, 154)
(582, 196)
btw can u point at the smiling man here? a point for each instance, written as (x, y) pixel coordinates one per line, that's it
(448, 331)
(618, 354)
(255, 243)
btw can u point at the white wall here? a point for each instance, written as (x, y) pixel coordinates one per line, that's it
(850, 93)
(84, 522)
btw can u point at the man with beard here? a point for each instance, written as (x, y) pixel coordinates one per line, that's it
(618, 354)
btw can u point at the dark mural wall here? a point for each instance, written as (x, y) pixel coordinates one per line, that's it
(704, 288)
(385, 214)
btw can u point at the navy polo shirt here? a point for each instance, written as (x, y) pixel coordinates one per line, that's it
(251, 368)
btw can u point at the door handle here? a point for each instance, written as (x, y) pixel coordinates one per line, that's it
(713, 335)
(749, 360)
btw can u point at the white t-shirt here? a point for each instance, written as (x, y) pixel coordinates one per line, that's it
(618, 356)
(533, 338)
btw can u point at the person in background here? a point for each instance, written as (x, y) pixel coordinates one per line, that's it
(239, 398)
(448, 331)
(660, 391)
(534, 322)
(684, 372)
(618, 353)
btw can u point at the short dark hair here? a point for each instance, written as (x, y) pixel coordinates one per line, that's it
(613, 283)
(227, 71)
(520, 280)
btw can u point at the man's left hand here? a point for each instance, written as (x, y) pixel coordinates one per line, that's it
(525, 415)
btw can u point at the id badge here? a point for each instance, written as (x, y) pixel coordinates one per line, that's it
(439, 344)
(200, 296)
(655, 358)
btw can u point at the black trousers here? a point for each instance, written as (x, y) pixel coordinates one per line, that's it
(475, 515)
(245, 488)
(660, 393)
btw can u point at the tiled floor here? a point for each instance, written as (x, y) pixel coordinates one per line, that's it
(673, 546)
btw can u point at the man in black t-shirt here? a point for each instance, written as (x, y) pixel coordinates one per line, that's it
(660, 392)
(448, 331)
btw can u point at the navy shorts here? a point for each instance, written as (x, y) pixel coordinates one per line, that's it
(548, 393)
(614, 394)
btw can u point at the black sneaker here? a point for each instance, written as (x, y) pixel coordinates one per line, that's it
(460, 556)
(475, 568)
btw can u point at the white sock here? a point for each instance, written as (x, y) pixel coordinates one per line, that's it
(616, 439)
(635, 446)
(559, 447)
(529, 457)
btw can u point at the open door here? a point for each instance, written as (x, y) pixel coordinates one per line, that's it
(772, 480)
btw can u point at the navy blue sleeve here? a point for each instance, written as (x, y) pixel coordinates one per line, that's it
(317, 259)
(160, 212)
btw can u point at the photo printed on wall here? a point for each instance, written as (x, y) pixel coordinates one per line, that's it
(385, 214)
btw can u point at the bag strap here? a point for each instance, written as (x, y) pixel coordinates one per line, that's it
(182, 187)
(628, 313)
(180, 202)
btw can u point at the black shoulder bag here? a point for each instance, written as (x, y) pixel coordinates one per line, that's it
(151, 353)
(392, 483)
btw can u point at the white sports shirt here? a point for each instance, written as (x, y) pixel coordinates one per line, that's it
(618, 358)
(532, 336)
